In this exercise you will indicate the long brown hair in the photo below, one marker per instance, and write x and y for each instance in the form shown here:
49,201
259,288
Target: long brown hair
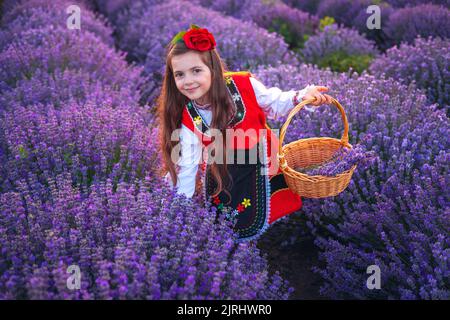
170,107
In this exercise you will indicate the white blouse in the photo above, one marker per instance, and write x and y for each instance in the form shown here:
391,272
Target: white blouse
273,101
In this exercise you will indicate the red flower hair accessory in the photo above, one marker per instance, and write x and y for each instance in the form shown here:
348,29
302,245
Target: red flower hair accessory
196,38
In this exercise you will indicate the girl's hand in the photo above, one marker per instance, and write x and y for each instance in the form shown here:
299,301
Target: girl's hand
315,93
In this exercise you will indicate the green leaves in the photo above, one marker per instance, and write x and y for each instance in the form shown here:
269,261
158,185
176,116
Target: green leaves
23,153
179,35
341,61
326,21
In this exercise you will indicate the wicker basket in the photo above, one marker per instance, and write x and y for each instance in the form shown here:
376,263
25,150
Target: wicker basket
312,151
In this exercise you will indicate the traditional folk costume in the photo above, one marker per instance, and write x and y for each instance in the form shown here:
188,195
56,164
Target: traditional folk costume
259,194
258,197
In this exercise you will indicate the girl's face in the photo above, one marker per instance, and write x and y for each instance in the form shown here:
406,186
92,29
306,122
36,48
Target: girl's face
190,72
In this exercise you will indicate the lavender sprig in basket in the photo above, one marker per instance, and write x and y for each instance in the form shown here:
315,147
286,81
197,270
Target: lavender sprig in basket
344,159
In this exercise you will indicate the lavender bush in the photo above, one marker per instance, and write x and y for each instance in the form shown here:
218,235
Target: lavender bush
294,25
304,5
79,187
18,5
92,141
410,3
426,63
112,8
405,234
393,214
343,11
275,16
51,49
140,241
339,48
37,14
60,86
425,20
398,204
146,30
353,14
226,7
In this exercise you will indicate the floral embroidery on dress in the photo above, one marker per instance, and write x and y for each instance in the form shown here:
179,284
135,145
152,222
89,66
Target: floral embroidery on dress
236,97
246,202
239,110
231,212
253,209
198,120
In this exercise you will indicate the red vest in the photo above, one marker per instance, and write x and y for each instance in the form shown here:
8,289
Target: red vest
249,115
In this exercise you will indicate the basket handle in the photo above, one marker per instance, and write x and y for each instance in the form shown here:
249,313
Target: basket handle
294,111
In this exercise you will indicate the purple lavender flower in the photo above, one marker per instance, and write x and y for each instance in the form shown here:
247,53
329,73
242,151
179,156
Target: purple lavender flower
294,25
141,241
304,5
343,11
16,6
353,14
79,186
410,3
339,48
78,182
37,14
393,214
52,49
426,20
112,8
92,141
145,31
343,159
62,86
426,63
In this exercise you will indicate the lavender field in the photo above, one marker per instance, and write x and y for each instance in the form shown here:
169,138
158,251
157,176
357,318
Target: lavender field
80,182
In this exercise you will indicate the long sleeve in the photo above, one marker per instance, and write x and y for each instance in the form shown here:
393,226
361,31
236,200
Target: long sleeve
191,151
274,101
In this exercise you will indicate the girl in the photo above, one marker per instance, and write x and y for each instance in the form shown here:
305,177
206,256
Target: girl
199,97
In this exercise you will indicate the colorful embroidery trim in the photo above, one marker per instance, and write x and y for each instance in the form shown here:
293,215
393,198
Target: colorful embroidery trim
201,125
253,213
229,211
